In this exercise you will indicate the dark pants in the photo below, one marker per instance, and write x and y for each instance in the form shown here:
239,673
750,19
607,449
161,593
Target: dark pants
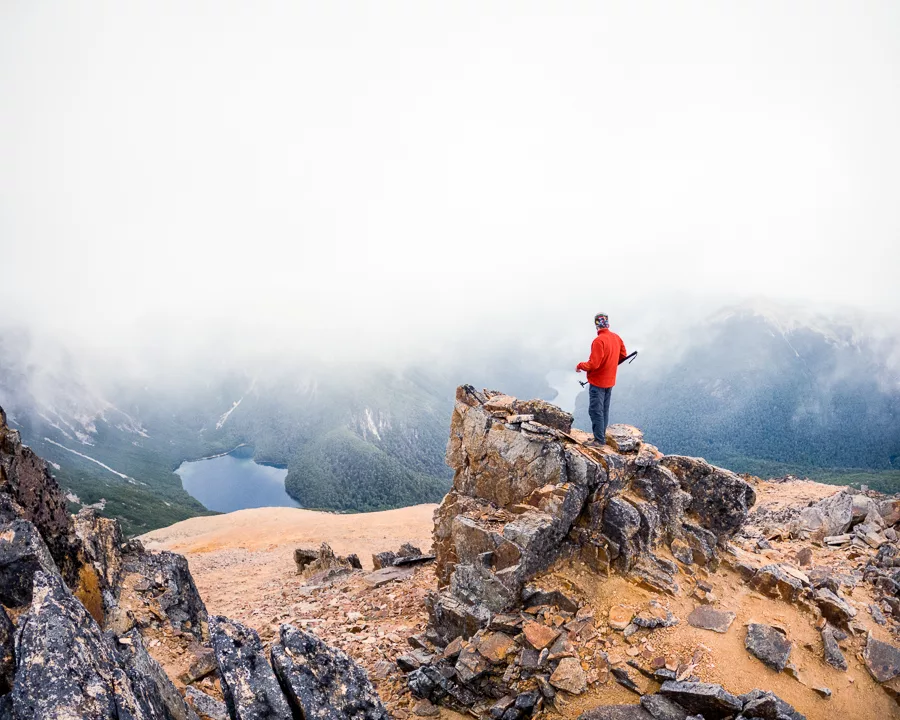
598,409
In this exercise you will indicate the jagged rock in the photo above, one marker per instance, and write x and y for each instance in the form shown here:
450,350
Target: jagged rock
616,712
769,645
624,438
834,608
767,706
249,685
7,652
882,659
656,616
619,617
832,515
495,646
383,559
155,691
430,683
711,701
661,708
707,618
833,654
471,665
204,664
776,582
323,682
532,595
101,541
721,499
22,555
167,582
26,480
324,567
621,676
539,636
65,668
303,557
569,676
206,707
890,511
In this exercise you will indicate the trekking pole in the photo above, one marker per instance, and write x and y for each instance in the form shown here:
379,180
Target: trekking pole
629,358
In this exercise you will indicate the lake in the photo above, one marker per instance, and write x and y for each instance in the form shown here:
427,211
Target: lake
229,483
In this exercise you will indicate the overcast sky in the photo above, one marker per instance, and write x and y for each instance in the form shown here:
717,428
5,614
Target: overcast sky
381,167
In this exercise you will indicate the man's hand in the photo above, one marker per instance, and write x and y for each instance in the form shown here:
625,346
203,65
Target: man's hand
578,368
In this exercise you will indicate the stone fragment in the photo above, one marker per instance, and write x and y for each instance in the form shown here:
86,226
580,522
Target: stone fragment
711,701
620,617
882,659
203,664
387,575
656,616
707,618
833,654
249,685
822,692
383,559
624,438
834,608
495,647
622,677
774,581
471,665
765,705
804,557
539,636
569,676
206,707
321,681
661,708
425,708
304,557
769,645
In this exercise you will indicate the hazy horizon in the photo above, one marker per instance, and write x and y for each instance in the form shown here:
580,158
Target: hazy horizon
380,179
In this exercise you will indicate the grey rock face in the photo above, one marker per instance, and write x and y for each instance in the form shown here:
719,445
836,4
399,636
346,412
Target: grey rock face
768,706
719,497
26,480
154,690
206,707
22,554
65,666
170,583
322,682
769,645
661,708
711,701
7,652
708,618
882,660
250,687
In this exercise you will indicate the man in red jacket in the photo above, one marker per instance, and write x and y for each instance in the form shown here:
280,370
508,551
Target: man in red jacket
607,351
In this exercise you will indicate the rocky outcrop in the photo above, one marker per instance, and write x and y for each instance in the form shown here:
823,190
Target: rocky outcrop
526,492
322,682
65,667
7,654
26,481
250,687
322,565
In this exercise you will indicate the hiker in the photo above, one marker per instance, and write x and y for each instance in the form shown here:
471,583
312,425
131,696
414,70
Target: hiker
607,352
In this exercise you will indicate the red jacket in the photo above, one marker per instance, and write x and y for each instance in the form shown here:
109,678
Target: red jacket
607,351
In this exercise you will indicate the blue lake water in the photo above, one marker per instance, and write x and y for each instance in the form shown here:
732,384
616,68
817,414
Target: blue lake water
229,483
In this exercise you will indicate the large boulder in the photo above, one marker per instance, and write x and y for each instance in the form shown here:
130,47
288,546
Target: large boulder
322,682
831,516
65,667
250,687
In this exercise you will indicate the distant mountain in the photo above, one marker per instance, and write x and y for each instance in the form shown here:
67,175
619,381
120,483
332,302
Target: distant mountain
760,388
359,438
